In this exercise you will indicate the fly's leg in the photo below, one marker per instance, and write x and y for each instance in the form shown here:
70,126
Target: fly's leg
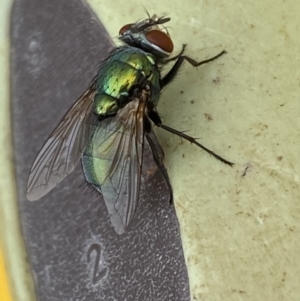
158,156
174,70
177,56
153,115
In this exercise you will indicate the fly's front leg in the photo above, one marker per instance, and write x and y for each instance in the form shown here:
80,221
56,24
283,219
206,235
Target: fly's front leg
174,70
177,56
153,115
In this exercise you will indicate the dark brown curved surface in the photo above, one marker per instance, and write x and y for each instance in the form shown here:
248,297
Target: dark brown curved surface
73,250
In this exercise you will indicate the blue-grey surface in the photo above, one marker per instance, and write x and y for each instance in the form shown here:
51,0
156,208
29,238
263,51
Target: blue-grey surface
74,252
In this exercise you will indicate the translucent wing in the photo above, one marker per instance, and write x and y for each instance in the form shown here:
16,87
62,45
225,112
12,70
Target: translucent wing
117,151
63,149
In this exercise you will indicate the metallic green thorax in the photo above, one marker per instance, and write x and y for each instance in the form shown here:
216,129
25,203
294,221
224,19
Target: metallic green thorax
124,68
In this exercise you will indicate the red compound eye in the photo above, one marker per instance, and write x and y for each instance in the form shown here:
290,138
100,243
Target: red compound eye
160,39
125,28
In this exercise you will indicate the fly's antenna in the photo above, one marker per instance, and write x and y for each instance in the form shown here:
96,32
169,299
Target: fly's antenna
147,12
163,19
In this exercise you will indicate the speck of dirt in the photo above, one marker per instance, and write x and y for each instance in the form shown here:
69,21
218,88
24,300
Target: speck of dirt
208,116
216,80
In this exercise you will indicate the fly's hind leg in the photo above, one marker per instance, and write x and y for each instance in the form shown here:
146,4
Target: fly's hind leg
158,156
180,59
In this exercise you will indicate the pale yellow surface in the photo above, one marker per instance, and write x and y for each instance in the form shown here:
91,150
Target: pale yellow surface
241,235
16,282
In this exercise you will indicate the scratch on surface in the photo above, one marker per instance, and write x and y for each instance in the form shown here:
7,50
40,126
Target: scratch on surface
220,33
259,220
288,173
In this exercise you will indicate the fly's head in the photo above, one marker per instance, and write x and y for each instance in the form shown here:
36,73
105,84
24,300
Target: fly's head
147,35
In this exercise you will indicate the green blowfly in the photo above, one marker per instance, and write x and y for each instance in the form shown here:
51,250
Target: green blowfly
122,100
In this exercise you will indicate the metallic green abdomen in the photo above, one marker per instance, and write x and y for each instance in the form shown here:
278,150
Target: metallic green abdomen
126,67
